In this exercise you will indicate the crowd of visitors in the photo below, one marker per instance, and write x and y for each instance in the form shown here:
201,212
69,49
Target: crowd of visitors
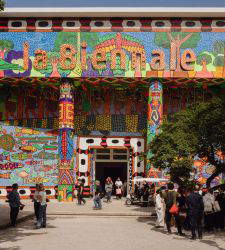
194,209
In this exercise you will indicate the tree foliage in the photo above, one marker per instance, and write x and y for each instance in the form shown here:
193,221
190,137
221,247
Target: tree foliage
162,39
6,45
2,5
204,56
197,131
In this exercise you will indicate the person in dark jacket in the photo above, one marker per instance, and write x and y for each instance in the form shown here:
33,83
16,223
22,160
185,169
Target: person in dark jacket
15,204
36,202
80,192
97,197
195,209
145,191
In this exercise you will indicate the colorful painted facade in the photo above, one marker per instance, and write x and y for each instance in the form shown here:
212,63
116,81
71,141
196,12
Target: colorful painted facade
67,92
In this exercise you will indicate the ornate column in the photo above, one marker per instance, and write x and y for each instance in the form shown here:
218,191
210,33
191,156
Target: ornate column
154,118
66,174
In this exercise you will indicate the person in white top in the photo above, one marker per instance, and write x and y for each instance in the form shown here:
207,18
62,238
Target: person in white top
159,208
119,186
209,201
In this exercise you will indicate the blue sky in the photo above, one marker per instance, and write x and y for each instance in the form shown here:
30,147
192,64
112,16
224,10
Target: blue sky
115,3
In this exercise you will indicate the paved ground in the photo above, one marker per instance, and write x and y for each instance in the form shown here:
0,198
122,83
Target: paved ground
4,213
100,233
71,208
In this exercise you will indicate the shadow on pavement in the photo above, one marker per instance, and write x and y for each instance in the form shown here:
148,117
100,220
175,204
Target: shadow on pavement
24,229
211,242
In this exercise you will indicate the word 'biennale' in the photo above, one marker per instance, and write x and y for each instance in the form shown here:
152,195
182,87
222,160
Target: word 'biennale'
69,58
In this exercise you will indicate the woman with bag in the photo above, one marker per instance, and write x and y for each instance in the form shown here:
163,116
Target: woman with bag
170,198
119,186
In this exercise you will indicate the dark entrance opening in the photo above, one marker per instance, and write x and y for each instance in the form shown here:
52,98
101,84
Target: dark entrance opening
110,169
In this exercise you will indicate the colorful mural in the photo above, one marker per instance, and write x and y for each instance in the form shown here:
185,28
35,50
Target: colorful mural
203,170
28,156
111,54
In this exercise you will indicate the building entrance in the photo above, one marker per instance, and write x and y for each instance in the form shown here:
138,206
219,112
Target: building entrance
113,170
111,163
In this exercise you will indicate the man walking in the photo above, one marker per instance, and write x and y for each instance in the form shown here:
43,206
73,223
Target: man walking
15,204
80,192
195,209
36,203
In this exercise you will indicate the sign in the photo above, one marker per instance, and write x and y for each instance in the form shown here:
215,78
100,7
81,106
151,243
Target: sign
110,54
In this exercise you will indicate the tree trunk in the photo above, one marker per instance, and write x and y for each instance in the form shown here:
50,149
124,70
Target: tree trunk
55,72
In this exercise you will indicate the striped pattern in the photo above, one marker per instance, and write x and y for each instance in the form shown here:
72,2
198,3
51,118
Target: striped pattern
112,25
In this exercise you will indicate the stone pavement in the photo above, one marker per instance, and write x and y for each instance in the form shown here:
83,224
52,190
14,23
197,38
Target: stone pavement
116,208
27,213
100,233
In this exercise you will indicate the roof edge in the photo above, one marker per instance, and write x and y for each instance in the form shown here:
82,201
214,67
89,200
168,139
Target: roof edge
115,12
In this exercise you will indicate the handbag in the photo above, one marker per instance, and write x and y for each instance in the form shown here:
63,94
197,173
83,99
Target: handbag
118,191
174,209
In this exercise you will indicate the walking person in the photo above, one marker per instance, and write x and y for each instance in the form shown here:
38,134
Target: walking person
159,207
80,192
220,198
108,189
97,197
195,210
209,201
36,203
170,199
42,208
15,204
119,186
145,192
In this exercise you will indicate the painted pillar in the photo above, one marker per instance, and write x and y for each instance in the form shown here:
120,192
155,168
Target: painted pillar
66,125
154,119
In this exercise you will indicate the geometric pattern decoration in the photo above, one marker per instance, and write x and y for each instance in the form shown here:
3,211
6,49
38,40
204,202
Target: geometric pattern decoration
155,114
108,24
66,125
66,177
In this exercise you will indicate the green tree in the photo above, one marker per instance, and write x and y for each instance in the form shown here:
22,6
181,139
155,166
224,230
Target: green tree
218,51
91,38
2,5
204,56
65,38
197,131
5,46
218,47
175,41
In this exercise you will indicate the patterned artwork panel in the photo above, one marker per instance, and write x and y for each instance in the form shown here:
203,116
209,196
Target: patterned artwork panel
28,156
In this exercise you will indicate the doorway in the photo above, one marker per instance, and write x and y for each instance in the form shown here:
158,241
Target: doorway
111,162
110,169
